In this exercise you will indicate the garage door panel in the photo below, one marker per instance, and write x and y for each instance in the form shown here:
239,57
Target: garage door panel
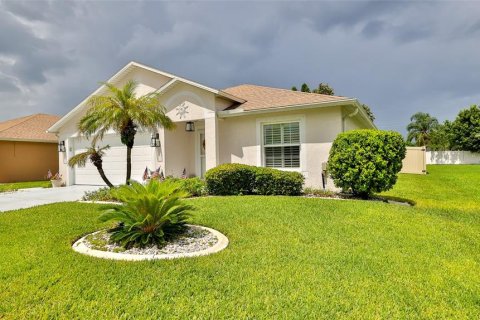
114,161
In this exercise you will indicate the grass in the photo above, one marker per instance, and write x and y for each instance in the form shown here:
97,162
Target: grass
446,189
289,257
5,187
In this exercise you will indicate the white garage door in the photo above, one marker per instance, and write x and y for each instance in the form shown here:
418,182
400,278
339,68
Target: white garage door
115,160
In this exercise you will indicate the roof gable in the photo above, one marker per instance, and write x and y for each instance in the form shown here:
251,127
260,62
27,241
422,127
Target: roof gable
124,72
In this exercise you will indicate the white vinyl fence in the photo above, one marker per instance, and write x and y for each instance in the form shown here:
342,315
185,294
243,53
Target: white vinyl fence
452,157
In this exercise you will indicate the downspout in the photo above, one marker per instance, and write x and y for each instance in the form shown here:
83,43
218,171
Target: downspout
354,113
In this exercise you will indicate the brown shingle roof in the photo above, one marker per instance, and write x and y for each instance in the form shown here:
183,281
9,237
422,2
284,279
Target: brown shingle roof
259,97
29,128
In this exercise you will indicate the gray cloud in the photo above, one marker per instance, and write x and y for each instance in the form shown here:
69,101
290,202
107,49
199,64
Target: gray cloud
8,85
398,57
373,28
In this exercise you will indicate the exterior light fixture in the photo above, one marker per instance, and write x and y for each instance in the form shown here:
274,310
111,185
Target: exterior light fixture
155,140
61,146
189,126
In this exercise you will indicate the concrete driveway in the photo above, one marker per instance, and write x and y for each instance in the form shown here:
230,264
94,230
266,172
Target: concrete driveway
27,198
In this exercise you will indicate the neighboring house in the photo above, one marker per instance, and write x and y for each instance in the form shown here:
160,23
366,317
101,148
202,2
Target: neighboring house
247,124
27,151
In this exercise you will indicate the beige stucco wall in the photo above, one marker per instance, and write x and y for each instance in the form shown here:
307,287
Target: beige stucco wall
180,152
201,104
240,138
353,123
27,161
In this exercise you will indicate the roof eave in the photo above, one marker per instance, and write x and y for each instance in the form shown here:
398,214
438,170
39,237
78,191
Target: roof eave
190,82
364,114
28,140
240,112
56,127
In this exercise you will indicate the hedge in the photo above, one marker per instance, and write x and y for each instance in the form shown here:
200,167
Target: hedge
238,179
270,181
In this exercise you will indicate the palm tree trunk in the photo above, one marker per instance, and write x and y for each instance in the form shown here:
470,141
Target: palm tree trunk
104,177
128,138
129,164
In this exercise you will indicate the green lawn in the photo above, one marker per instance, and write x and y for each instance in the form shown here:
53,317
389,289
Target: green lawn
4,187
288,258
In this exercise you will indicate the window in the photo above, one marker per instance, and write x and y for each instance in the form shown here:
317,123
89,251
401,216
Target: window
281,143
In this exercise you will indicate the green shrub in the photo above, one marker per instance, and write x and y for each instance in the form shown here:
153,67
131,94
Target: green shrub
149,215
270,181
230,179
366,161
236,179
196,187
102,194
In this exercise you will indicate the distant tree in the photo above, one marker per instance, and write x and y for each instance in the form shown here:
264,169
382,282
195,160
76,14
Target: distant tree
324,88
305,88
441,137
466,130
420,128
368,111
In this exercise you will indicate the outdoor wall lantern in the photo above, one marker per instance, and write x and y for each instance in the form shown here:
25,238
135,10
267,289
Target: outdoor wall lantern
155,141
189,126
61,146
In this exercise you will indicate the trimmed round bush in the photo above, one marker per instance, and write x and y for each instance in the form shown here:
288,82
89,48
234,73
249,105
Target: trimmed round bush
366,161
236,179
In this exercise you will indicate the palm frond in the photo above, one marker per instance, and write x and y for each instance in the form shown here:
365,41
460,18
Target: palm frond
79,159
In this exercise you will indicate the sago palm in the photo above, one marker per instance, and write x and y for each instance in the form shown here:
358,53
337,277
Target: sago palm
420,128
94,154
149,215
122,111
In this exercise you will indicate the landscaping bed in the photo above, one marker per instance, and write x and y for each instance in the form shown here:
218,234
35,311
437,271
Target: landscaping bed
104,195
194,241
318,193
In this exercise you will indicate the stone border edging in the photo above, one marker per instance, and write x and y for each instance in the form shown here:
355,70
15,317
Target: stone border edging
80,247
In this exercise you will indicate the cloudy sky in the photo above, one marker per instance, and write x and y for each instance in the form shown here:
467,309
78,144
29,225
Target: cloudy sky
398,57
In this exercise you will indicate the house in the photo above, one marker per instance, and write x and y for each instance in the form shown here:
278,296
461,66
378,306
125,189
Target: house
27,150
247,124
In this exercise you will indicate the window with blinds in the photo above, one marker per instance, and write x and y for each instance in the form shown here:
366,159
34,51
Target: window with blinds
281,143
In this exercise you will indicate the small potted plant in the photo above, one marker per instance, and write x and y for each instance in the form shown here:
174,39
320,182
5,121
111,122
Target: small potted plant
56,180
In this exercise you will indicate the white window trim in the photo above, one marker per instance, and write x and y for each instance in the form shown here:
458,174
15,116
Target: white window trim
260,122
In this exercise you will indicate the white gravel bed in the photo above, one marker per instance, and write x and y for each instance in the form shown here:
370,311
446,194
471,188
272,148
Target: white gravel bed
196,241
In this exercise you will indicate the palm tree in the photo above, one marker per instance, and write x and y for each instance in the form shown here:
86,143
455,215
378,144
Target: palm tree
95,156
420,128
122,111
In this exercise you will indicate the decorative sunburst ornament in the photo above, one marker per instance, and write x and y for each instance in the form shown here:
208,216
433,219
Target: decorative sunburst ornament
182,110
